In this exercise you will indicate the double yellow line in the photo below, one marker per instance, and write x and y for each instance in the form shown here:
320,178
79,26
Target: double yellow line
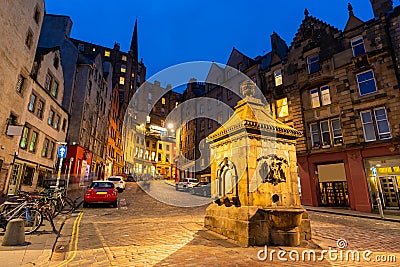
73,243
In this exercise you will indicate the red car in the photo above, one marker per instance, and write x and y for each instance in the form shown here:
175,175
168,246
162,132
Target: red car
101,192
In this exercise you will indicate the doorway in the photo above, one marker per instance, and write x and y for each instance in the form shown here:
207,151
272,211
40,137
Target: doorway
389,190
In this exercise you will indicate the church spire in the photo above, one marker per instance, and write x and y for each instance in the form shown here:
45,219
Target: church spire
134,43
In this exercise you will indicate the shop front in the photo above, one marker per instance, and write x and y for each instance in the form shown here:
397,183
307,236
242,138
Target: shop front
383,177
333,185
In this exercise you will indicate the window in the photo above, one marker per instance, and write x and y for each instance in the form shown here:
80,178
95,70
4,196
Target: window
375,124
54,89
56,122
20,83
36,15
29,39
315,139
336,132
313,64
24,138
210,123
326,133
107,53
123,68
121,80
31,106
320,97
167,147
47,82
278,77
81,47
56,62
39,110
32,143
163,101
148,119
51,149
51,117
282,109
159,146
163,111
357,45
45,147
326,136
64,124
366,82
123,57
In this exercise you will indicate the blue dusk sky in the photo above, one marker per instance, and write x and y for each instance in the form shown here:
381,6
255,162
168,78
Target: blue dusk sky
172,32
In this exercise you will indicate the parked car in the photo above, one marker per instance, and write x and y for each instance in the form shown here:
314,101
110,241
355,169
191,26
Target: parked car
202,189
101,192
118,182
185,184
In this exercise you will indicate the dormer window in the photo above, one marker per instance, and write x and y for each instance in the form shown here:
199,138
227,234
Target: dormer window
278,77
357,45
313,64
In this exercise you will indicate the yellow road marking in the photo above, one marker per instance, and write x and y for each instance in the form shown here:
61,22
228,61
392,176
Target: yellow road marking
74,237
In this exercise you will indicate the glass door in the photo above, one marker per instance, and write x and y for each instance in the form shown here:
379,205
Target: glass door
334,194
390,191
14,179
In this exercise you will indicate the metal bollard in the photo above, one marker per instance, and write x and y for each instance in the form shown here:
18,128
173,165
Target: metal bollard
15,233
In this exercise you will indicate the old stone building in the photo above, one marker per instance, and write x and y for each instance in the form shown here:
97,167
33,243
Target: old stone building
341,89
45,123
21,23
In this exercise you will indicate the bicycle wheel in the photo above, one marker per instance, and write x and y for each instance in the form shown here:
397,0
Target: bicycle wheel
33,218
68,205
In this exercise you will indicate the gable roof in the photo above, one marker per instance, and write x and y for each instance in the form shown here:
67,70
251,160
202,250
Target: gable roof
308,25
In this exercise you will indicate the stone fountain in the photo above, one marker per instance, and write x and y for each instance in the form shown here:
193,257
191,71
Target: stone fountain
254,178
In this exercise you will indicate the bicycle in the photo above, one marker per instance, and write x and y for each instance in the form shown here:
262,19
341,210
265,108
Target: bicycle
31,216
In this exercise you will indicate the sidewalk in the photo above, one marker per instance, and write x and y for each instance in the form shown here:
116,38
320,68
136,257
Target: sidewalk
393,215
37,247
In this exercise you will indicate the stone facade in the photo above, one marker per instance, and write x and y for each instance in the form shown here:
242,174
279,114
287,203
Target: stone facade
21,23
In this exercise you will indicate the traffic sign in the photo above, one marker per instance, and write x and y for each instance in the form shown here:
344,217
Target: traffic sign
62,151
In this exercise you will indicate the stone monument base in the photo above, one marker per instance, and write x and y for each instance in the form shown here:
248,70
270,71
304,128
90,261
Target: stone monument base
258,226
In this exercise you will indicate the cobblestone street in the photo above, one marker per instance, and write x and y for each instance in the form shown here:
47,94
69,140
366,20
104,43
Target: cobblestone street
145,232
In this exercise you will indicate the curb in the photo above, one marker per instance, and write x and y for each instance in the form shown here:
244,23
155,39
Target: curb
352,215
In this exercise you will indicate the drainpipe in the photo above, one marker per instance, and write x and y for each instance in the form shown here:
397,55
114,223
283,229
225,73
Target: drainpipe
386,21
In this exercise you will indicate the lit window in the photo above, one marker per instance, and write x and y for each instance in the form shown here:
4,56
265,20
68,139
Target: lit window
45,147
32,144
107,53
123,57
325,95
282,109
54,89
375,124
121,80
32,101
320,97
51,117
366,82
20,83
278,77
148,119
357,45
94,49
313,64
163,101
24,138
123,68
